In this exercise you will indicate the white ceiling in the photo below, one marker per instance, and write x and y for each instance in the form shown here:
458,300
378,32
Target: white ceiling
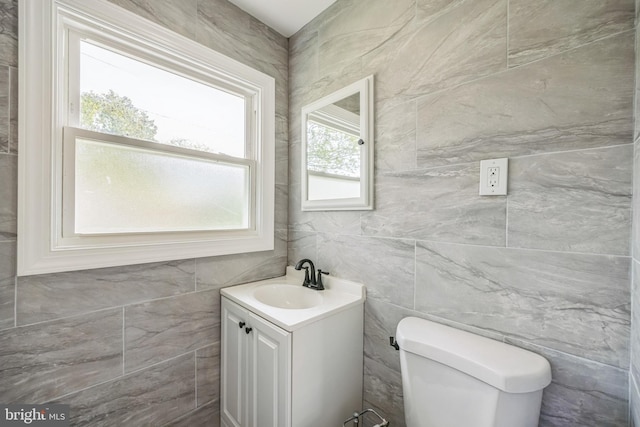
284,16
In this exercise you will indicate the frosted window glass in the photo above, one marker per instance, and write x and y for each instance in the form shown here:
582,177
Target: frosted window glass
123,96
123,189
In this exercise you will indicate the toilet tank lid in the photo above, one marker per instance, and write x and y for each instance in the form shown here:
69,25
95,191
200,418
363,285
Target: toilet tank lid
503,366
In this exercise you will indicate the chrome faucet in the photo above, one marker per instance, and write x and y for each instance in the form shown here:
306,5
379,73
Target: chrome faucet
310,280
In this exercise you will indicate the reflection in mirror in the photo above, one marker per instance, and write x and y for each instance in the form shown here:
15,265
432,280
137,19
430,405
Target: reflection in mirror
337,159
333,152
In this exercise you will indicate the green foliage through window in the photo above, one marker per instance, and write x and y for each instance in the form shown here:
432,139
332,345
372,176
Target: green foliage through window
332,151
116,115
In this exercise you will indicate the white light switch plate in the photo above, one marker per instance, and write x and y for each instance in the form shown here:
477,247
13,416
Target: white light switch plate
493,177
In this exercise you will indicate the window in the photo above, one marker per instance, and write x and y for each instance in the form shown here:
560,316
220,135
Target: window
137,145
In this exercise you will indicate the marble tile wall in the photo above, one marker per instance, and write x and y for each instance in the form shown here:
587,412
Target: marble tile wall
634,371
548,84
134,345
551,86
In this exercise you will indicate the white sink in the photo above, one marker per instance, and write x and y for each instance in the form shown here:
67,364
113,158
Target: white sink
288,304
283,295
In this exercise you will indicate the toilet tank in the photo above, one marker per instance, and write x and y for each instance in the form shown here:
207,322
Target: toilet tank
453,378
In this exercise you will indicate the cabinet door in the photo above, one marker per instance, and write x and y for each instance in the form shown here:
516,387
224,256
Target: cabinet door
270,374
234,365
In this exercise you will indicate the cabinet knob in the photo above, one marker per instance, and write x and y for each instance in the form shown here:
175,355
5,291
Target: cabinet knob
241,325
248,330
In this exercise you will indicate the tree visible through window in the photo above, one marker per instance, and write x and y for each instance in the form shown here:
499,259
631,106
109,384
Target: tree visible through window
113,182
145,147
132,98
122,189
332,151
115,114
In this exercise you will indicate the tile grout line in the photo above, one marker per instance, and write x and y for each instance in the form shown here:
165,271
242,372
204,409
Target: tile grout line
195,274
634,225
634,207
8,119
508,31
513,248
418,97
84,313
506,218
15,301
519,156
118,378
603,147
632,386
415,274
195,375
10,143
123,340
631,328
13,136
42,322
504,336
417,240
415,135
570,355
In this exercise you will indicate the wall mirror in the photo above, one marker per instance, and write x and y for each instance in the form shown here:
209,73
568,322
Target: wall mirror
337,150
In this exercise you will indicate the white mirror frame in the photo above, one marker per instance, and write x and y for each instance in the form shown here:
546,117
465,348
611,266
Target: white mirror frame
365,202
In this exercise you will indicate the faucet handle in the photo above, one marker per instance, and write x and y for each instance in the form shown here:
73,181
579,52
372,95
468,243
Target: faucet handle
319,285
307,280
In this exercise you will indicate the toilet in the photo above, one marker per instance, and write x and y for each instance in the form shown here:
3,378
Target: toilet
452,378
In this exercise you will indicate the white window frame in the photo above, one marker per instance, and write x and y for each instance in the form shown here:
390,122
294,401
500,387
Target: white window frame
45,111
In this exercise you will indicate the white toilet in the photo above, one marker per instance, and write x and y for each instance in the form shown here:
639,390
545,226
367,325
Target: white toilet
453,378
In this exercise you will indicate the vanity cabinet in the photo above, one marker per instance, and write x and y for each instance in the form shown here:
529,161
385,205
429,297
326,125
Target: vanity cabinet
256,366
270,377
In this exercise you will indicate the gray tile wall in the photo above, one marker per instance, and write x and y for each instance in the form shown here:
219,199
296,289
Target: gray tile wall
134,345
634,374
549,84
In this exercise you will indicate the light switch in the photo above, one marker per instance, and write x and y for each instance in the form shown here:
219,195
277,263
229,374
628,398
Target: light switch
493,177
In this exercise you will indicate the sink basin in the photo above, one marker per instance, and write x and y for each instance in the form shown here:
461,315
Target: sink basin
290,296
286,303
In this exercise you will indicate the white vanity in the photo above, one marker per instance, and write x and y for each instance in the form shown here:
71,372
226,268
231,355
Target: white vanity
291,356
